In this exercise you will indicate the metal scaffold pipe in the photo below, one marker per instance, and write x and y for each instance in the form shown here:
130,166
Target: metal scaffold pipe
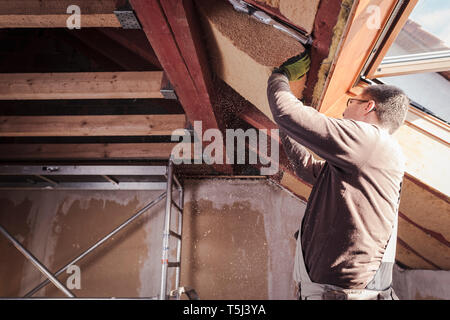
166,232
36,263
100,242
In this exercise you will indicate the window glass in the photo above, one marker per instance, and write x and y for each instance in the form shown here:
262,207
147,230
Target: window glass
430,90
427,29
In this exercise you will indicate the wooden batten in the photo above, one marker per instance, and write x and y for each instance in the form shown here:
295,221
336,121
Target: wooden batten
86,151
53,13
80,85
114,125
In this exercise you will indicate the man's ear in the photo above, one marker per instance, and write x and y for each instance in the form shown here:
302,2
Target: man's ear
370,106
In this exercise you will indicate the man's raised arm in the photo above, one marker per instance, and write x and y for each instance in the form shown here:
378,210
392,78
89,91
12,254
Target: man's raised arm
334,140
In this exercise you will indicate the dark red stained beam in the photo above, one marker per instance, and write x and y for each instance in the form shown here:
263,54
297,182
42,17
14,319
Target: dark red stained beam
173,34
326,18
102,62
113,50
135,41
184,23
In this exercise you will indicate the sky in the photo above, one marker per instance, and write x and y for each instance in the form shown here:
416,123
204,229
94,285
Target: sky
434,16
429,89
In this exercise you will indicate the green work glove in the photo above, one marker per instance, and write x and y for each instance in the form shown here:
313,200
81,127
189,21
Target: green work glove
296,67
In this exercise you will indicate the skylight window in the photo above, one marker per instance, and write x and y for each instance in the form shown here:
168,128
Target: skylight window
418,61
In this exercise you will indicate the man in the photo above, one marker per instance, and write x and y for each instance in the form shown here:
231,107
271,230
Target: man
346,245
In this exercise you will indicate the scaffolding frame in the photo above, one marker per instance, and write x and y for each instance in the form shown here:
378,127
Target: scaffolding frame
46,178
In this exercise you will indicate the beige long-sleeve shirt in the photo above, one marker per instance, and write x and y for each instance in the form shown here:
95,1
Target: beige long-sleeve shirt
350,212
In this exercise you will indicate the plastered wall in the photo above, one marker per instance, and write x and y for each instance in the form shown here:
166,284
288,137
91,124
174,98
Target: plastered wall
238,240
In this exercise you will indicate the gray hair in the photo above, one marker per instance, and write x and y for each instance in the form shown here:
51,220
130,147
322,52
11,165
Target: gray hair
391,105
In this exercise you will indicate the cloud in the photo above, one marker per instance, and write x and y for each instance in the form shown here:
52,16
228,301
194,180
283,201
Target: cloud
436,23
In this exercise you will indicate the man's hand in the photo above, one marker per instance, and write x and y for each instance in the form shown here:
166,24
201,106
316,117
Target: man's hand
296,67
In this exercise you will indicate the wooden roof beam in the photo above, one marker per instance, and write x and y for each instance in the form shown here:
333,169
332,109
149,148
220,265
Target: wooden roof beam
135,41
85,151
111,49
98,125
53,13
80,85
172,30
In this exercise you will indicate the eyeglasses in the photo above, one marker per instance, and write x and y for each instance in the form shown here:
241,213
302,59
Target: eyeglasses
353,99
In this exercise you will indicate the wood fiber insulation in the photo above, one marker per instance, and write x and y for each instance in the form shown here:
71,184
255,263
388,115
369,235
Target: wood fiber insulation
243,52
326,66
301,12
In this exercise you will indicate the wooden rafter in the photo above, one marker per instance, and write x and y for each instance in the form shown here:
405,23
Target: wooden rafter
135,41
53,13
81,85
85,151
114,51
173,33
108,125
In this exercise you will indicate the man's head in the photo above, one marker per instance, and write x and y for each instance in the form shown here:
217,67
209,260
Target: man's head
381,104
